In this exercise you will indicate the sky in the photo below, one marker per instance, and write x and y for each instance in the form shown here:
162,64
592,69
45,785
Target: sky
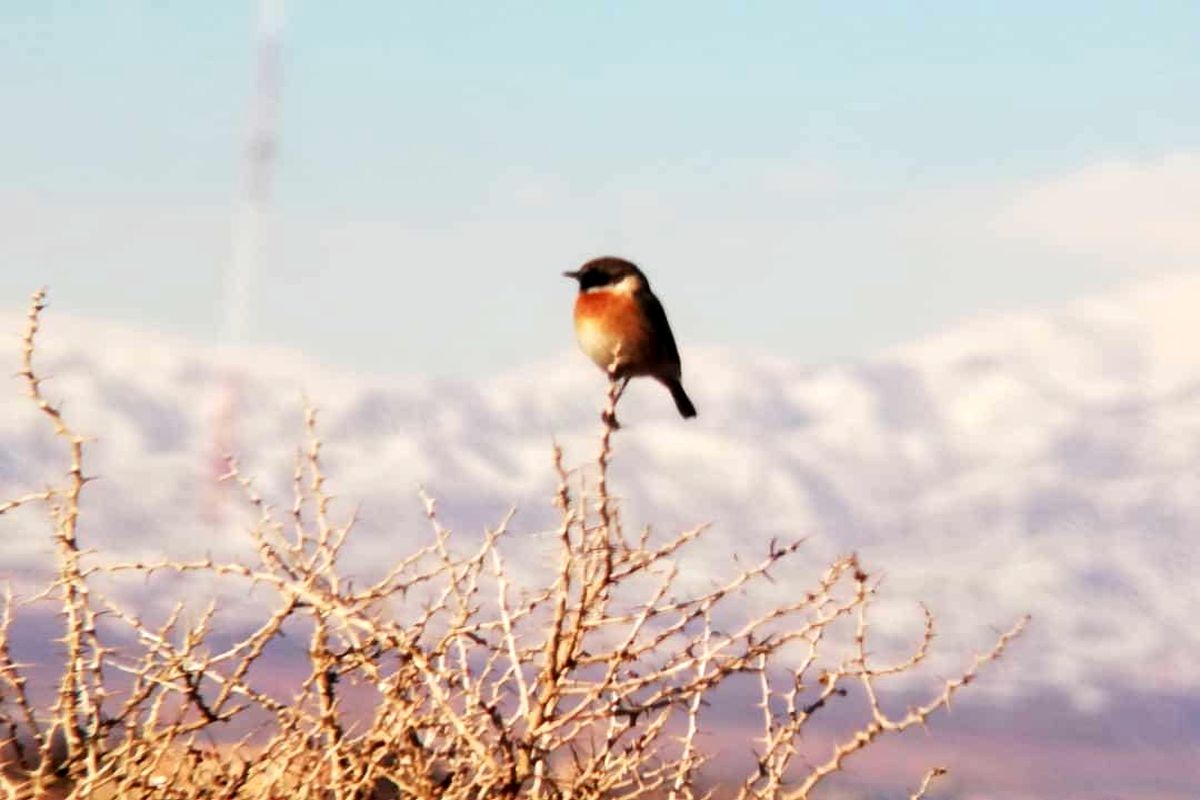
815,180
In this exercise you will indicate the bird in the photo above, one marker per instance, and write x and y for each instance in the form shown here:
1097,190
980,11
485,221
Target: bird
618,319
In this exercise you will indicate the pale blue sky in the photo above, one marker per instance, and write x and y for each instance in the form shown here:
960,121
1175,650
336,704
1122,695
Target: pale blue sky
815,180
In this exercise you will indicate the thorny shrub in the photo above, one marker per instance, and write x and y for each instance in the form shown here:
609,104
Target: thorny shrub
593,682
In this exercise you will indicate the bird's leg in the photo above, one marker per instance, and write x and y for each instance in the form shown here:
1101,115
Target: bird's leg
624,382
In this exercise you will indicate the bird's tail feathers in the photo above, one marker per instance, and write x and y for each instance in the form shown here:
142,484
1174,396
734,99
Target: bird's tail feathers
682,401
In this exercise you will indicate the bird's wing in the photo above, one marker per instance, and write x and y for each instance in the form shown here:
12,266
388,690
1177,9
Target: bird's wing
664,340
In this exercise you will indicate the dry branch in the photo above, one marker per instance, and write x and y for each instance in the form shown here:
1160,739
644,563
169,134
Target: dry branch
596,682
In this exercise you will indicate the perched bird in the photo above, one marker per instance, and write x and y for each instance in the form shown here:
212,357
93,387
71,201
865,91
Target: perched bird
616,315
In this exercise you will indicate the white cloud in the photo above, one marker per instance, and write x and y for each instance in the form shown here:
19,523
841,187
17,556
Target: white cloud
1145,213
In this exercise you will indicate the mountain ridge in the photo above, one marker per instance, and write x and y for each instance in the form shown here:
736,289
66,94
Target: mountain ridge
1041,461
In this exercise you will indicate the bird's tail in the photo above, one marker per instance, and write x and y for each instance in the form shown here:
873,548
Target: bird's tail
682,401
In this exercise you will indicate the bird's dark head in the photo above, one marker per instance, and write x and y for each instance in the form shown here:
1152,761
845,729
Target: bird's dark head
609,273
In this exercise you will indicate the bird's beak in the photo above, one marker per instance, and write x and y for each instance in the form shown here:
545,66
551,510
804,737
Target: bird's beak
571,274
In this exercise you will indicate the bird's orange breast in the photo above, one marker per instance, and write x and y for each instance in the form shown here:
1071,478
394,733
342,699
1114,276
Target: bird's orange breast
606,319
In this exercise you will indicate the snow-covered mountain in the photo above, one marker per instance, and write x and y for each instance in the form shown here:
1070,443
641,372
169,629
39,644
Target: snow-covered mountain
1045,462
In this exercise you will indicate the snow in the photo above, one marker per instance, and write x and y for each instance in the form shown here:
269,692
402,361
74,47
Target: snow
1043,462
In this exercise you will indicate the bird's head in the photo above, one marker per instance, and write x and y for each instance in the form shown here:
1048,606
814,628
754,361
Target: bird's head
609,273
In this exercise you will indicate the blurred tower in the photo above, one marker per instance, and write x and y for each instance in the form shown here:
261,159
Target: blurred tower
248,251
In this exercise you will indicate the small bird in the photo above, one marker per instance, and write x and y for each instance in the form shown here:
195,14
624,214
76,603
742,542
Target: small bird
617,316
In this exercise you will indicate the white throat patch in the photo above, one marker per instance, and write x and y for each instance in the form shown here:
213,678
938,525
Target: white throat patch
627,285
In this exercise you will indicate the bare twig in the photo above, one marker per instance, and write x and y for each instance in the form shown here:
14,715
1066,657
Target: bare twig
590,682
930,776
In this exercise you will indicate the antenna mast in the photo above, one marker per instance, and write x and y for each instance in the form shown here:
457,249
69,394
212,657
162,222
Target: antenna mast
249,222
258,166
